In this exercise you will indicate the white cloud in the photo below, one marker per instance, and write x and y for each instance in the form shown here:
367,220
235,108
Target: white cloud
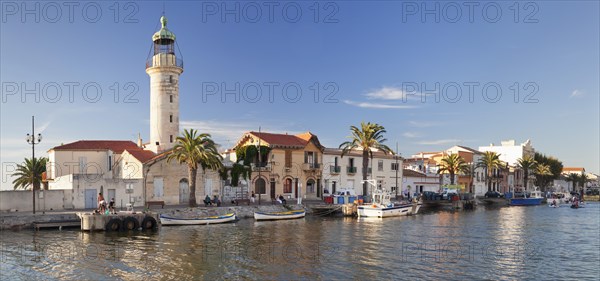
411,135
576,93
439,142
387,93
423,124
378,105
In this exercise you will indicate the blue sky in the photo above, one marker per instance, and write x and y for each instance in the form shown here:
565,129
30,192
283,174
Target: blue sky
369,55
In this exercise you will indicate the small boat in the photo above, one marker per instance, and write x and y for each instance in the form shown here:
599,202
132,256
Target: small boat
553,202
382,207
534,199
166,220
287,215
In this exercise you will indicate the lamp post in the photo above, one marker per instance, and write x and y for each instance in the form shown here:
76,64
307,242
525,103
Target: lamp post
31,139
258,166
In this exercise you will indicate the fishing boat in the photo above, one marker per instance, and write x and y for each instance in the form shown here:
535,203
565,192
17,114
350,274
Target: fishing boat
287,215
534,199
166,220
382,207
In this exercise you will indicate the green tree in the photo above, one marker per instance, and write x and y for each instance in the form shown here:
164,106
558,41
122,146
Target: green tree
541,171
574,178
555,169
367,138
527,164
453,164
195,150
582,180
30,171
490,161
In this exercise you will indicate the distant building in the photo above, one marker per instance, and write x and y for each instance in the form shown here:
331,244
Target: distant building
509,151
346,172
419,182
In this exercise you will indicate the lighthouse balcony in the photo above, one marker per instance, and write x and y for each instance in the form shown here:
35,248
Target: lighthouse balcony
164,60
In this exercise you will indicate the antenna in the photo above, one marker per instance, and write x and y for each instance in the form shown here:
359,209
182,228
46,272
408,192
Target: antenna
163,12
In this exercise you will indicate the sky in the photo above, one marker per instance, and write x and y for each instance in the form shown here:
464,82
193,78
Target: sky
434,74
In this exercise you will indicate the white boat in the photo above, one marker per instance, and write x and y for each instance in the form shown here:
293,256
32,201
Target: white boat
287,215
382,207
166,220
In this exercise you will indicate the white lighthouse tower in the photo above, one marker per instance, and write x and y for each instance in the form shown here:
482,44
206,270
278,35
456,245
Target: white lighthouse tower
164,69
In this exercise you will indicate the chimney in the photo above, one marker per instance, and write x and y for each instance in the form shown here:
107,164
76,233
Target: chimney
139,141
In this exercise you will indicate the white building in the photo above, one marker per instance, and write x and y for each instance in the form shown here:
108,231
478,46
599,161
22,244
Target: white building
346,172
509,151
419,182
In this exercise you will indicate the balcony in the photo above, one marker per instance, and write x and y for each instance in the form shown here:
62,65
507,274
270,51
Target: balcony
351,170
263,166
334,169
311,166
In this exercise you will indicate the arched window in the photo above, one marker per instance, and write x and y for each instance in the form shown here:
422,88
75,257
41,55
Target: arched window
260,186
287,186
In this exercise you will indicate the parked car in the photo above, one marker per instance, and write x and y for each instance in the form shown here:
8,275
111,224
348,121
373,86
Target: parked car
493,194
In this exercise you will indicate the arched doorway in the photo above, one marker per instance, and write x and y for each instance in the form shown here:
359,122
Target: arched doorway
260,186
184,191
310,186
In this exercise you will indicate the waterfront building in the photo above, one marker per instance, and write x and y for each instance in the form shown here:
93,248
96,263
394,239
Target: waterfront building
292,167
509,151
474,181
417,181
346,172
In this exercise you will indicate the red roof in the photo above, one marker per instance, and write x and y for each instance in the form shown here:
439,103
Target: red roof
573,169
116,146
281,139
142,155
411,173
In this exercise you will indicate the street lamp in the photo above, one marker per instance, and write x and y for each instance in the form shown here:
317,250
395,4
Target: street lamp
33,140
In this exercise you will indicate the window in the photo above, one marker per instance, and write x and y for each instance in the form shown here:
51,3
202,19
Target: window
171,98
110,162
171,79
260,186
171,118
287,186
351,162
288,158
335,161
171,138
394,166
380,165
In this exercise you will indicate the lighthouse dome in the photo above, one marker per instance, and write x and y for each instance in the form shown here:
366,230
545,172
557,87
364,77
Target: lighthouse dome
163,33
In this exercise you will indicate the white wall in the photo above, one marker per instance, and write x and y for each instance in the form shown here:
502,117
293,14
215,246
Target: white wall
21,200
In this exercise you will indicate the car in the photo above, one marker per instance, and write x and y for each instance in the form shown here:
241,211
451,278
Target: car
493,194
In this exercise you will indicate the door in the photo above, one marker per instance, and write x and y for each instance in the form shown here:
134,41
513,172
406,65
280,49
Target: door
91,199
350,185
158,187
272,188
184,191
296,189
111,194
208,187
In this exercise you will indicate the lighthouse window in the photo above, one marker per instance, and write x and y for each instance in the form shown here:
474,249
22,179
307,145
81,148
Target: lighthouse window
171,79
171,98
171,118
171,138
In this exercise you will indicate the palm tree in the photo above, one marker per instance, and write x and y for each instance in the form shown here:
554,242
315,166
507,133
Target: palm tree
30,172
368,138
453,164
542,170
490,161
195,149
583,179
572,177
527,164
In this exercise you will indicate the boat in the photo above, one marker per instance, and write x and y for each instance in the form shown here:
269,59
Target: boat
166,220
287,215
382,207
534,199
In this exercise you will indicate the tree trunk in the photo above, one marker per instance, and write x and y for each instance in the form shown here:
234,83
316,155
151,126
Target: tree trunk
525,176
489,180
192,178
451,178
365,166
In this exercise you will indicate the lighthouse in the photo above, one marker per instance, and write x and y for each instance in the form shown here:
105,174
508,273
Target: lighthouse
164,67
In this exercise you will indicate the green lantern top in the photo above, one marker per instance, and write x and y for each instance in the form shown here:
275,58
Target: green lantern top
163,33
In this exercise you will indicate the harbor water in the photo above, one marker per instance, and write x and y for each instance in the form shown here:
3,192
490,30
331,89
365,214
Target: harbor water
489,243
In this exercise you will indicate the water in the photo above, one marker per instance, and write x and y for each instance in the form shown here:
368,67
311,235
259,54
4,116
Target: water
509,243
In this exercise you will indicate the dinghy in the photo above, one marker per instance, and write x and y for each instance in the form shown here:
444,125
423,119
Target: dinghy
166,220
279,215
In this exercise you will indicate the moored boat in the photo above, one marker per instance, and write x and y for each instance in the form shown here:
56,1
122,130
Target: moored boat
287,215
166,220
382,207
534,199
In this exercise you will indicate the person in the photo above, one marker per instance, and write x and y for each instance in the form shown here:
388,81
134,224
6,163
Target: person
283,201
216,201
101,203
207,200
111,205
252,197
279,199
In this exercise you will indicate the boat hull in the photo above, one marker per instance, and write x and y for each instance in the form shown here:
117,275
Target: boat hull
525,201
166,220
384,212
279,215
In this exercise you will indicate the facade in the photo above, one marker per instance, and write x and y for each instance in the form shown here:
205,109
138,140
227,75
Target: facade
472,182
346,172
414,181
164,69
509,151
85,168
292,168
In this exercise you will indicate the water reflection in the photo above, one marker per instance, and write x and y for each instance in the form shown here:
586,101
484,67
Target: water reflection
488,243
